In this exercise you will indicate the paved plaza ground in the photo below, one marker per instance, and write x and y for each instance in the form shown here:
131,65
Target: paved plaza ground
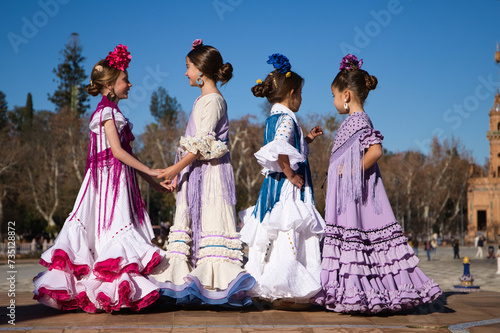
477,312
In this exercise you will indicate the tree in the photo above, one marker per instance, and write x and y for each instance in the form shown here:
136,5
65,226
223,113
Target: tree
22,117
164,107
70,75
3,111
245,138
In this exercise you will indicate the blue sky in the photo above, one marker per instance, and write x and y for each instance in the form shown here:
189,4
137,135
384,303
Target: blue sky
434,59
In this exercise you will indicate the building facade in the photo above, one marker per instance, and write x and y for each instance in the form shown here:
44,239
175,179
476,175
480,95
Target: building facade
483,192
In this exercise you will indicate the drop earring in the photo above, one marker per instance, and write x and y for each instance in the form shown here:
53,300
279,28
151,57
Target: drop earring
346,106
199,79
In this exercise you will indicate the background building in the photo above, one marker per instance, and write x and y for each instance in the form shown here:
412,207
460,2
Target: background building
483,195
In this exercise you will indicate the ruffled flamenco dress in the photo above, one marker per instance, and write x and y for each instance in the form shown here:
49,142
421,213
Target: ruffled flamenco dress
367,266
104,250
204,254
283,230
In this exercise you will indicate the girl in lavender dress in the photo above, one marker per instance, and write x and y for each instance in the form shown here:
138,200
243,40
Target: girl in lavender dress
204,252
102,253
367,264
283,230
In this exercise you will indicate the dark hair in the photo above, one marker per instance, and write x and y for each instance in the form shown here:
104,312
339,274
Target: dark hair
356,80
102,75
277,86
209,61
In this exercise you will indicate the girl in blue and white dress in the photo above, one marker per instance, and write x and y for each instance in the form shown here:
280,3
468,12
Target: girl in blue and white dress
283,230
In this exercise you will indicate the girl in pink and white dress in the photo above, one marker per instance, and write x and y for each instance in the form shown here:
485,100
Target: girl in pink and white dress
102,253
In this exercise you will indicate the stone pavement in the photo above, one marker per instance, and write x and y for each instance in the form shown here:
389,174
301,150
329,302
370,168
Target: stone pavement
477,312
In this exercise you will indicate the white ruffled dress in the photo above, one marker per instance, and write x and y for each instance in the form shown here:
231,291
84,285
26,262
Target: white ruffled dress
204,253
101,256
284,246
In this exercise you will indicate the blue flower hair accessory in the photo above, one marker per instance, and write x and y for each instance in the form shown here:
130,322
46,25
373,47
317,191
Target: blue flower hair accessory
280,63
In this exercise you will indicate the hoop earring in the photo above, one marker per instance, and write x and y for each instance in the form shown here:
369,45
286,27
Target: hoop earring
199,80
111,96
346,106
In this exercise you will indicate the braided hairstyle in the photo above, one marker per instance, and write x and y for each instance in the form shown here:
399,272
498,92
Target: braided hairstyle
356,80
209,61
276,87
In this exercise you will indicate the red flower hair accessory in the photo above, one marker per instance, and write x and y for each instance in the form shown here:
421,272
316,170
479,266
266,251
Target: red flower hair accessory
119,58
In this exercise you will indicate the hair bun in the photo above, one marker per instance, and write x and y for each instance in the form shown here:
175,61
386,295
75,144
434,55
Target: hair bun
261,90
92,89
371,81
225,73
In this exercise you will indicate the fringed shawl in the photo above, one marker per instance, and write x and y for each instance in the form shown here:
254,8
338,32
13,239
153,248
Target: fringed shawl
347,180
100,158
192,178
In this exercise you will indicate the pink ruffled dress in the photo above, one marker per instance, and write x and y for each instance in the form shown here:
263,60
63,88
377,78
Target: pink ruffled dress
367,264
104,250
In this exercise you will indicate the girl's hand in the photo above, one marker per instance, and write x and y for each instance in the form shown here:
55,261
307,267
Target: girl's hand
154,172
297,180
169,173
170,185
315,132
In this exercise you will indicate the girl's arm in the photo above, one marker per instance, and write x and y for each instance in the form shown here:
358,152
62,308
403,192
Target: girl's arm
156,186
120,154
295,179
372,154
315,132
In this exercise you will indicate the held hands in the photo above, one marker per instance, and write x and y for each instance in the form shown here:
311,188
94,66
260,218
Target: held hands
168,173
297,180
315,132
170,176
169,185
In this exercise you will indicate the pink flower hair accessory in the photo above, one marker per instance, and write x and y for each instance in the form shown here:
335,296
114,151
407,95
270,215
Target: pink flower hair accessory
197,42
350,62
119,58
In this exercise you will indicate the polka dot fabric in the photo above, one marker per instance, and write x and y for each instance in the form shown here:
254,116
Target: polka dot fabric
354,123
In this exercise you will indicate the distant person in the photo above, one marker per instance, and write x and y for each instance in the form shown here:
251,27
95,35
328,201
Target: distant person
434,245
365,254
456,248
480,246
415,245
428,249
103,252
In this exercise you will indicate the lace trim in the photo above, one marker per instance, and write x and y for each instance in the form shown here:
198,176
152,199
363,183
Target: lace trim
206,145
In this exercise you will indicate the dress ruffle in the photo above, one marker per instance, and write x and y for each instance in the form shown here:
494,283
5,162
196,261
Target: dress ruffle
267,156
370,137
370,271
204,144
217,279
112,281
284,255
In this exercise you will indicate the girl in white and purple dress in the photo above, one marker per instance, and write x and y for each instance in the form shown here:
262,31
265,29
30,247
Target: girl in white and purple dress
103,252
204,254
367,263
